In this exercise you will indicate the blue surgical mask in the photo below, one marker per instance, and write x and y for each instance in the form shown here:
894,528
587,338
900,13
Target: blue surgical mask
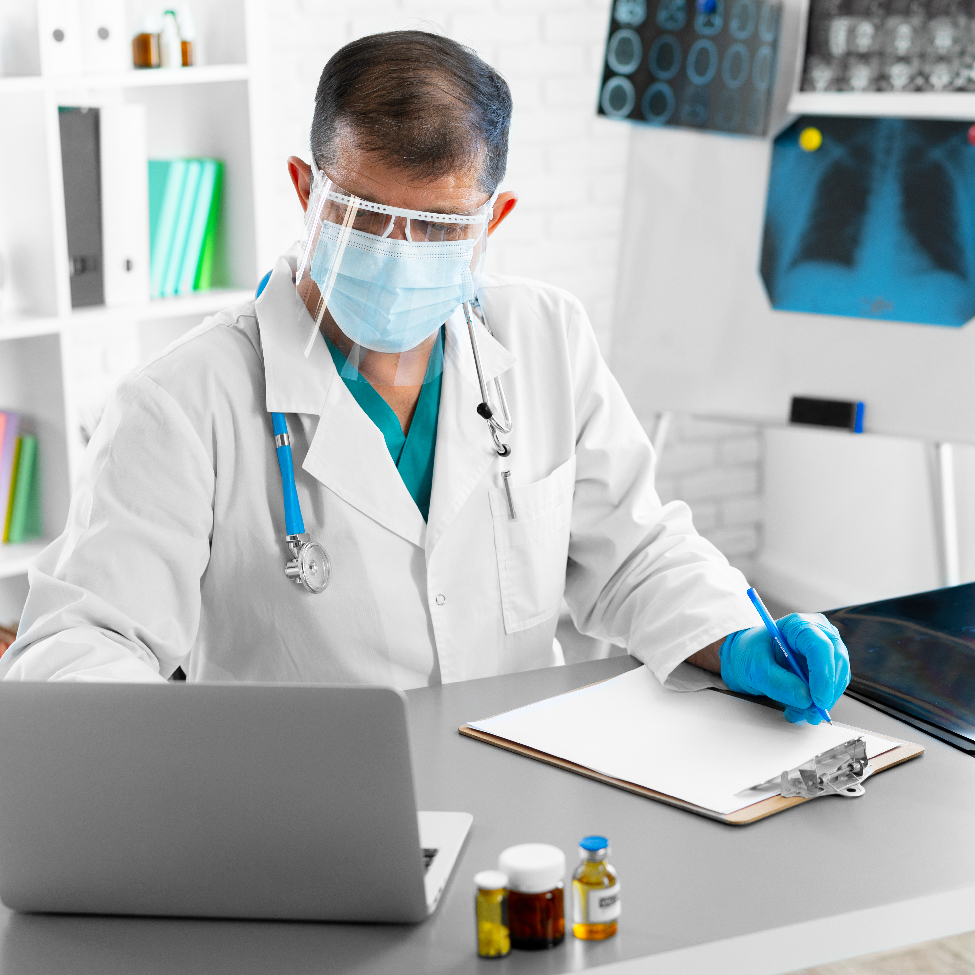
389,295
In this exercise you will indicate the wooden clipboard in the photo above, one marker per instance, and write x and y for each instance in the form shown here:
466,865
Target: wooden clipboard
741,817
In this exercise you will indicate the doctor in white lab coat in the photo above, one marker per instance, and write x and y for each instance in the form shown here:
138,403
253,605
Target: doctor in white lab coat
174,550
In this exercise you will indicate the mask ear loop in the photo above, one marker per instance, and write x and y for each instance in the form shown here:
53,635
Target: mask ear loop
336,263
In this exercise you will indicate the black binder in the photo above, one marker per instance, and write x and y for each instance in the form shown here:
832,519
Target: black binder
82,203
914,657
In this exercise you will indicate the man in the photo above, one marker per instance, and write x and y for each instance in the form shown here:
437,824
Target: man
460,449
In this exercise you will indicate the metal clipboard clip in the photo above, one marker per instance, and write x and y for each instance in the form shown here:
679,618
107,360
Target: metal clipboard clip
841,771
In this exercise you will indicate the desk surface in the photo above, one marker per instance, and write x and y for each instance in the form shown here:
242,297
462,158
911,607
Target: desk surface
697,895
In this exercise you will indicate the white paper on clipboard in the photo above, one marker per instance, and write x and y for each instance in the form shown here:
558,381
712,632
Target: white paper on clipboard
703,747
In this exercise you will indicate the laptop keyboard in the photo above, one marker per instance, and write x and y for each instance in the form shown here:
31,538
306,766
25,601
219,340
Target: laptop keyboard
428,856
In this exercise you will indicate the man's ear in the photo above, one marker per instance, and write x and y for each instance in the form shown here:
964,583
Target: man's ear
503,205
300,173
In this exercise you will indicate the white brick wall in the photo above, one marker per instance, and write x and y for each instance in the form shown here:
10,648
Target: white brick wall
568,166
716,469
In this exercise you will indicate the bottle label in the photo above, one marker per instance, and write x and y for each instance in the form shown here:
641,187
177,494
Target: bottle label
601,905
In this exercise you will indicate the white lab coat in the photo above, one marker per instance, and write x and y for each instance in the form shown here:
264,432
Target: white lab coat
174,549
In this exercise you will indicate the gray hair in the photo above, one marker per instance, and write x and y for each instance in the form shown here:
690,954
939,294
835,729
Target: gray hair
427,104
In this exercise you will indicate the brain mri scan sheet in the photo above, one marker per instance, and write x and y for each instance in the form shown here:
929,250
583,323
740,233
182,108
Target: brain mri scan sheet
890,45
672,62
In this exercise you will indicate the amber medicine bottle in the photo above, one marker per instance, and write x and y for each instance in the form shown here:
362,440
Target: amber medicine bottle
491,911
595,892
536,906
145,50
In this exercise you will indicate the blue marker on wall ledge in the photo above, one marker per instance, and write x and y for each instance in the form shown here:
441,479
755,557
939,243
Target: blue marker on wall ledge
779,640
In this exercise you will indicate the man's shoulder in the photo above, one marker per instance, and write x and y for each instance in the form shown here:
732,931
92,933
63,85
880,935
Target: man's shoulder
225,346
532,315
538,294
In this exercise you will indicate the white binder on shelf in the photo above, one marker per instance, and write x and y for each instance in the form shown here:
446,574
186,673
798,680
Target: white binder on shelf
104,36
59,36
125,203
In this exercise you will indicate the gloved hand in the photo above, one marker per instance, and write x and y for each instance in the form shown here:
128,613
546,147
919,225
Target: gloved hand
752,664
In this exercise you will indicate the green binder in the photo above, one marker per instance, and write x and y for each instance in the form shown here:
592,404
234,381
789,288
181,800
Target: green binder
166,180
24,490
198,226
181,229
204,273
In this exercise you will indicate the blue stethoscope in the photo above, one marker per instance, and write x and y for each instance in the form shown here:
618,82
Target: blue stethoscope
309,565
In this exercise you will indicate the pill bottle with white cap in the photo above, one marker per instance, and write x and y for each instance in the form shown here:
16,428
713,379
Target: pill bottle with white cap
491,912
536,907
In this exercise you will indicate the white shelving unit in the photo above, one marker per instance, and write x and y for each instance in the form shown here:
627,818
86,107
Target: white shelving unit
57,363
15,559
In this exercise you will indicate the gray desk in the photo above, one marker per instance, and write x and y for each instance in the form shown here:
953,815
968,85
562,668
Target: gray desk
698,896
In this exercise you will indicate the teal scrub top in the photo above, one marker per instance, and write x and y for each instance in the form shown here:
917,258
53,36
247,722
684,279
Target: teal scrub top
413,453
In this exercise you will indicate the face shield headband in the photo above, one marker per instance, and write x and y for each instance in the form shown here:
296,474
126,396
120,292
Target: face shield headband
379,281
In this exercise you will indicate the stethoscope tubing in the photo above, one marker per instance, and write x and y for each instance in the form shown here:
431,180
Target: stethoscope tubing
294,524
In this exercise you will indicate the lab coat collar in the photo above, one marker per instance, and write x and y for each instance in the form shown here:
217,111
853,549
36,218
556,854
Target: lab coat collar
347,454
294,384
495,358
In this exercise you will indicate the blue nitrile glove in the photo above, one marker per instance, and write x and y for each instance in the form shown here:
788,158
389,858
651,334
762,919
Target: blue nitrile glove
752,664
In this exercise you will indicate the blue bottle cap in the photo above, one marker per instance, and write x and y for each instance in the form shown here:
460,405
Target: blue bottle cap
594,843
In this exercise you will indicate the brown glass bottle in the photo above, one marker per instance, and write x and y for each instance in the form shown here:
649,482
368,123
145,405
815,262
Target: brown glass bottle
536,905
145,50
536,921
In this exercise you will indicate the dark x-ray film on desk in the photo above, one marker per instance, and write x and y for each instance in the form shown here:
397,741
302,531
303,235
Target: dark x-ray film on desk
914,657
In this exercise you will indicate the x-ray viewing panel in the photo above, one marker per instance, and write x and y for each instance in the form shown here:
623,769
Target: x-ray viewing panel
872,218
916,655
694,327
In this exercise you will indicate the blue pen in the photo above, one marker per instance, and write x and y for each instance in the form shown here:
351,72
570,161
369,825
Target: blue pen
776,634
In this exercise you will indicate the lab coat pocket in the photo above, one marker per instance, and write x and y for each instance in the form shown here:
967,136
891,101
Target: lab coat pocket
533,546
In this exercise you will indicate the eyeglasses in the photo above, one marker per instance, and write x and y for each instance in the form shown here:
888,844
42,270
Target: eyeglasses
378,219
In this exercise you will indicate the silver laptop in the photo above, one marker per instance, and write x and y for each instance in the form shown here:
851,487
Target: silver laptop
216,800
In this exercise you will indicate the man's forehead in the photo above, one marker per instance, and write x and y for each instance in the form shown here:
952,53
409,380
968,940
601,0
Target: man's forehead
379,180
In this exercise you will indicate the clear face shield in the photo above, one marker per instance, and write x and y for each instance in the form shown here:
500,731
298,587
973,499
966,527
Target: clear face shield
379,281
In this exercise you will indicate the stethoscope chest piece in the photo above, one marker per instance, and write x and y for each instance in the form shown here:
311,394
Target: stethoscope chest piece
310,566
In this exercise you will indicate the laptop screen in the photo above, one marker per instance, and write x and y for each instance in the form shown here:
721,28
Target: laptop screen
916,654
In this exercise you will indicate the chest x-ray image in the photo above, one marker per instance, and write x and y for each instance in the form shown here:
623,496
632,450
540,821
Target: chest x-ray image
876,221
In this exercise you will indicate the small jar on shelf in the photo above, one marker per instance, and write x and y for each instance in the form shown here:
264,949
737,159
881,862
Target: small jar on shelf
145,45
